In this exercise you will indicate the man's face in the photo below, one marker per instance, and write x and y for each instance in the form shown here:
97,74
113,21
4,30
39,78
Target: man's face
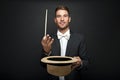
62,19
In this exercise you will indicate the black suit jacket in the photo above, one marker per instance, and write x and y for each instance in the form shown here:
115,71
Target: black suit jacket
76,47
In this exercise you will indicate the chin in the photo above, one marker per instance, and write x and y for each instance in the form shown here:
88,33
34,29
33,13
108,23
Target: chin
62,28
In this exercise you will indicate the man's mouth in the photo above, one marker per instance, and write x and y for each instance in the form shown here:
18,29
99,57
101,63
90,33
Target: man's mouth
62,23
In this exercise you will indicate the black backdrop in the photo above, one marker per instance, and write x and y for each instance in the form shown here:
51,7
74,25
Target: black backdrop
22,26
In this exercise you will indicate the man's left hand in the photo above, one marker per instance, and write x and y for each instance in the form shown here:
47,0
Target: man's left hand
77,63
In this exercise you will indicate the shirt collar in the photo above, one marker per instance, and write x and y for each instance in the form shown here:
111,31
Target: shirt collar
66,34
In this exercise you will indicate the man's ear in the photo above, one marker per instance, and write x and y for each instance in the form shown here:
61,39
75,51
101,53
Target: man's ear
69,19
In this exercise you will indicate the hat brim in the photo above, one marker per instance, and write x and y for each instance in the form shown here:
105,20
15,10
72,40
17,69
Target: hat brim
58,60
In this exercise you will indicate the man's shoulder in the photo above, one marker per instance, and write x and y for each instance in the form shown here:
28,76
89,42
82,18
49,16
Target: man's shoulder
78,35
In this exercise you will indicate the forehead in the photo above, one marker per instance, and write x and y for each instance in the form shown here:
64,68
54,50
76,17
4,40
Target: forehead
61,12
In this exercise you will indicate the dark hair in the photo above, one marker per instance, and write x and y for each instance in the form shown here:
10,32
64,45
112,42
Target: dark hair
62,7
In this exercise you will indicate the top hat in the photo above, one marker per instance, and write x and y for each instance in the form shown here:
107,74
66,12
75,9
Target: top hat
58,65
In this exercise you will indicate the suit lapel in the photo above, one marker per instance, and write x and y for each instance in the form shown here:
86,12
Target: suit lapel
56,46
69,45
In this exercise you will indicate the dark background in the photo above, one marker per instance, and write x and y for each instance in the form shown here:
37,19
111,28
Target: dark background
22,26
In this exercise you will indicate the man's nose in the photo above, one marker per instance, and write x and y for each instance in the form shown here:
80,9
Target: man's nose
62,18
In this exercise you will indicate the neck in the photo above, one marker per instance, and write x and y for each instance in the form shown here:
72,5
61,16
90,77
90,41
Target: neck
63,30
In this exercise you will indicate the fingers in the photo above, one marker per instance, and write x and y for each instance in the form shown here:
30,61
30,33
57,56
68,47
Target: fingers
78,62
51,41
77,57
47,40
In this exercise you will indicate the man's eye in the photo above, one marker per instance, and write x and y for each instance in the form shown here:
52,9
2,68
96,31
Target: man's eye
65,15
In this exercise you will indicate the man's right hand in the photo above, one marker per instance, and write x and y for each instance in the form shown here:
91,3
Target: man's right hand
46,43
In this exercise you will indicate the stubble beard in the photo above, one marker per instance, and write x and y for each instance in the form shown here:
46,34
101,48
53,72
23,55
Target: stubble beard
63,29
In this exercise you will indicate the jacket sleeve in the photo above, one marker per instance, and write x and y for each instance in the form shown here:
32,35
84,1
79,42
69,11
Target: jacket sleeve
83,53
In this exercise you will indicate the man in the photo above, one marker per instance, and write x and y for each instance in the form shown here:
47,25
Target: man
65,43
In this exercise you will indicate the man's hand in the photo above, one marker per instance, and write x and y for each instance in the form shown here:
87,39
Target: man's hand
77,63
46,43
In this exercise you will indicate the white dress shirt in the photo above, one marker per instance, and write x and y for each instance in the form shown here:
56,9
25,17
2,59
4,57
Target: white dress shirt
63,44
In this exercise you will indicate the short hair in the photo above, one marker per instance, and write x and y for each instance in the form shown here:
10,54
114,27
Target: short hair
62,7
